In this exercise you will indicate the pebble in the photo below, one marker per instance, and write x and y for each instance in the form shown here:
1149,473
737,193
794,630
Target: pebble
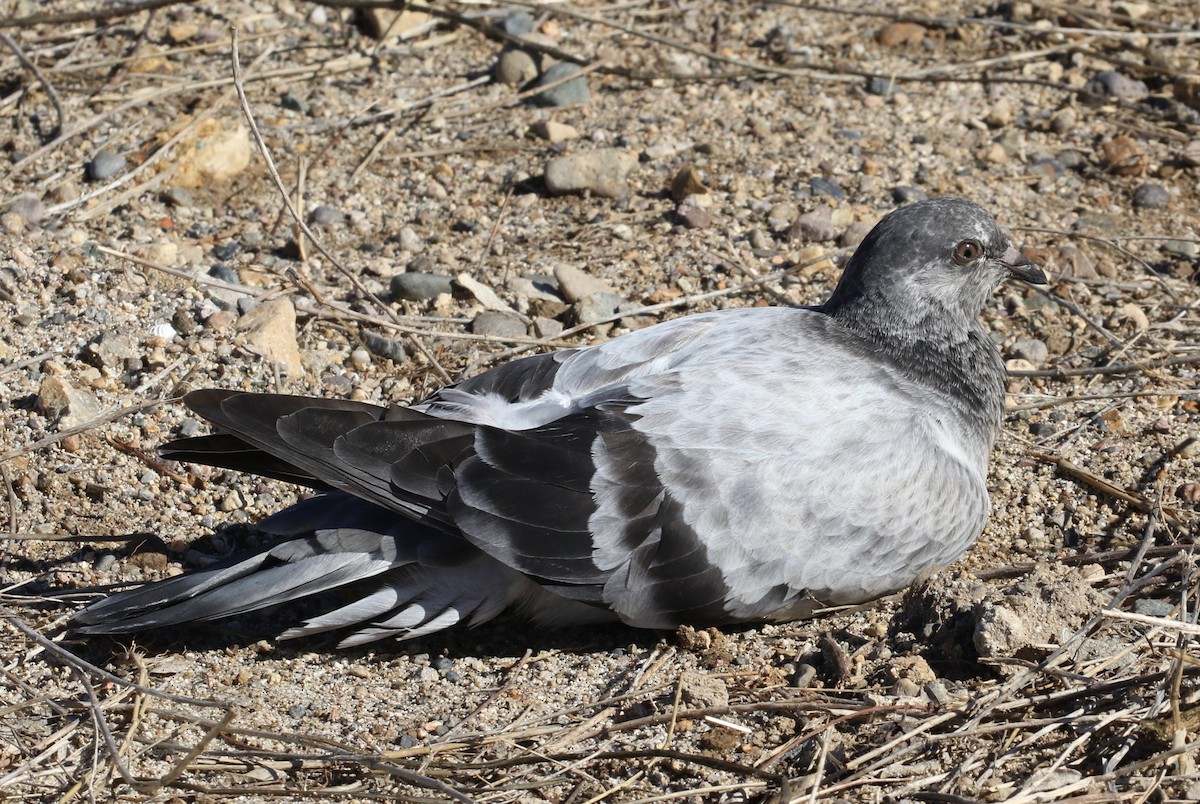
482,293
517,23
104,164
515,68
576,285
216,151
601,172
826,188
410,241
780,216
231,501
110,350
907,194
498,325
224,273
1064,121
814,227
687,182
1190,154
29,207
566,93
1112,84
270,328
760,241
387,348
1031,349
547,327
1188,249
325,216
895,34
360,359
880,86
703,691
419,286
178,197
1151,196
1123,156
692,215
70,406
855,233
554,132
596,307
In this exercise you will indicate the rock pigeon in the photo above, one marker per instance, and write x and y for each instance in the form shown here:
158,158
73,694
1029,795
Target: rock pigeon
746,465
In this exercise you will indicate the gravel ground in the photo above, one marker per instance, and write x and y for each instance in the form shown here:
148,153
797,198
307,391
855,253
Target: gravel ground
707,155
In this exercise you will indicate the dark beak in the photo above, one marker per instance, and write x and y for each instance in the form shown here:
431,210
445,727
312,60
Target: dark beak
1021,268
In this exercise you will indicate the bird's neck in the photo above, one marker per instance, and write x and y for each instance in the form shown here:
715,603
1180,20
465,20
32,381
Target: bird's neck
941,349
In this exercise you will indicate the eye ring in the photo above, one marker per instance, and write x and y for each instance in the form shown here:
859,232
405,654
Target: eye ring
967,252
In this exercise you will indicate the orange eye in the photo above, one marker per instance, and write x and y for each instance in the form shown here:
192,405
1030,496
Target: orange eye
967,251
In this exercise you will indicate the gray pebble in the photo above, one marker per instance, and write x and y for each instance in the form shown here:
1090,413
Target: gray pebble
1153,608
410,241
937,692
601,172
387,348
497,324
105,164
906,688
1031,349
814,227
855,233
224,273
515,67
780,216
573,91
297,711
442,663
325,215
692,215
596,307
881,86
246,303
293,102
190,428
178,197
1187,249
1112,84
907,194
826,188
104,562
419,287
1151,196
29,207
518,23
110,350
760,240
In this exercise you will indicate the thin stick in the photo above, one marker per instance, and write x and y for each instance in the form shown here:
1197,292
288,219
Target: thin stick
42,79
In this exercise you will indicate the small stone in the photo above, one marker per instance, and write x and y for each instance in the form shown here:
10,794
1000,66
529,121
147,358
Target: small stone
883,87
596,308
760,241
780,217
29,207
216,151
1112,84
70,406
387,348
360,359
569,92
906,688
270,328
419,286
1189,492
231,501
1064,121
105,164
110,351
1001,114
178,197
547,327
498,325
826,188
554,132
687,182
702,691
1190,155
1151,196
293,103
1030,349
576,285
325,216
855,233
482,293
1188,249
410,241
814,227
900,33
907,194
515,68
601,172
517,23
692,215
1123,156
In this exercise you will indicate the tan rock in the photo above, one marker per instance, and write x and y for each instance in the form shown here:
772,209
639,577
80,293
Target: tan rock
70,406
214,152
270,330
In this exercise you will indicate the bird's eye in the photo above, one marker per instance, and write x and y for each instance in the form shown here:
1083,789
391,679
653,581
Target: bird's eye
967,251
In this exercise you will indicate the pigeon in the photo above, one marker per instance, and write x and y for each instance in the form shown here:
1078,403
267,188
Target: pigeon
739,466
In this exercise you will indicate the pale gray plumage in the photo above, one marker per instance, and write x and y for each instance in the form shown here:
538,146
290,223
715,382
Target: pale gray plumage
744,465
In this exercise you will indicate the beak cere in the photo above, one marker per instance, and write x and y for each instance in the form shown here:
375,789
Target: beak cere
1021,268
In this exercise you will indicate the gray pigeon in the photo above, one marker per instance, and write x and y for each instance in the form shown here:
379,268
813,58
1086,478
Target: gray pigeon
738,466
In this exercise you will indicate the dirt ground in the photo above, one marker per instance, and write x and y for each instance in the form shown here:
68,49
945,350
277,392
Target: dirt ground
729,154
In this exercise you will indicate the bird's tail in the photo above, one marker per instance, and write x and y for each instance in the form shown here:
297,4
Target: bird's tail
418,580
